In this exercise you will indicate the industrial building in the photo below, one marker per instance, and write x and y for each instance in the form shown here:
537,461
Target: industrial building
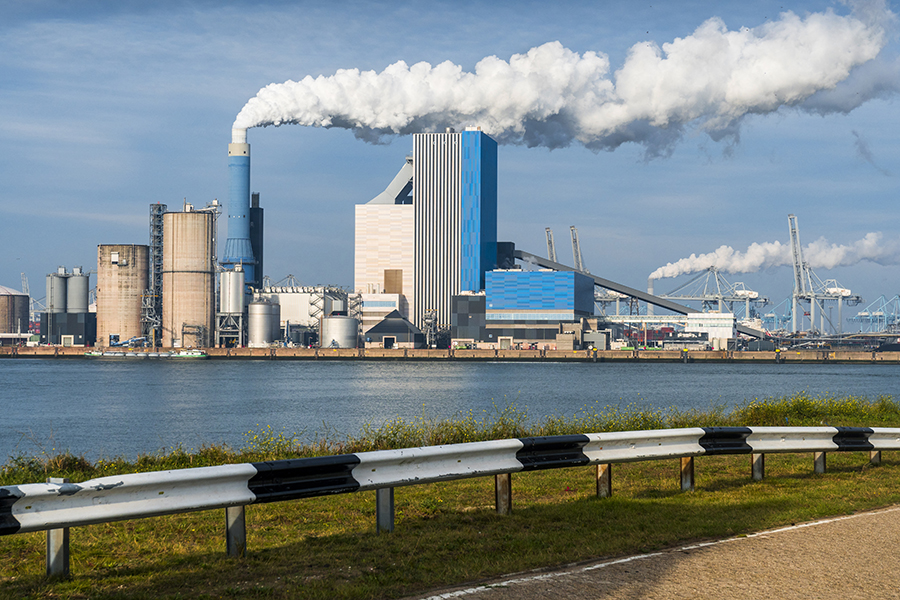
188,278
433,232
67,320
122,276
14,316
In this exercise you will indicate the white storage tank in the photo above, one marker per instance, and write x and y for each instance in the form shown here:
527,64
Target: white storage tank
339,332
262,323
231,290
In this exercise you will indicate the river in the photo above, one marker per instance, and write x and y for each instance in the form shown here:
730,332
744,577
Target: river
104,409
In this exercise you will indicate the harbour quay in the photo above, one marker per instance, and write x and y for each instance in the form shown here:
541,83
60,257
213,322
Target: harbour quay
463,354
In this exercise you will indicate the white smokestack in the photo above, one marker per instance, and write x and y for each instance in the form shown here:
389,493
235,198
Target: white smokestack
820,255
551,96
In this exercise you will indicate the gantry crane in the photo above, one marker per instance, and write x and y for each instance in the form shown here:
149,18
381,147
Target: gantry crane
551,249
576,251
809,288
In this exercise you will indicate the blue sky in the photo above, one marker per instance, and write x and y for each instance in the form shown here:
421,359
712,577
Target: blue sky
109,106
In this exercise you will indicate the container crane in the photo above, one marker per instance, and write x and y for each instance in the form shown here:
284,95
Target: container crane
551,249
716,293
576,251
809,288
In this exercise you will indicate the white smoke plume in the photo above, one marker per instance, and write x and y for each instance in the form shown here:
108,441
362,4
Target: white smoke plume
551,96
820,254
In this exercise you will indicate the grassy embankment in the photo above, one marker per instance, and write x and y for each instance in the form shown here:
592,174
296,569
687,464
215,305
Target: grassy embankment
448,533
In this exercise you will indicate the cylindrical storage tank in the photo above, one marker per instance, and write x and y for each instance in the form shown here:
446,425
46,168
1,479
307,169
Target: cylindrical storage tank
56,293
123,274
231,287
259,324
13,311
77,289
188,279
339,332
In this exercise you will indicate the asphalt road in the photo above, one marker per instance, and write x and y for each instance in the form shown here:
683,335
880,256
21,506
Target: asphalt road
855,556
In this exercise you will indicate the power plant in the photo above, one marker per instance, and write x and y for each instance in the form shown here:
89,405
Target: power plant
429,271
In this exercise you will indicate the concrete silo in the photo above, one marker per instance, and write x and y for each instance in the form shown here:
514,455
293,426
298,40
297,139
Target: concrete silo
13,311
188,279
122,276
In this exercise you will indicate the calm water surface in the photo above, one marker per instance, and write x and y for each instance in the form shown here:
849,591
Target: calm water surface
126,407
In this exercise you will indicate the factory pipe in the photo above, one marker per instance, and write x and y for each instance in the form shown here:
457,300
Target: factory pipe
238,250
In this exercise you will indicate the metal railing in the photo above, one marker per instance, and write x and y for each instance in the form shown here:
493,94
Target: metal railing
58,504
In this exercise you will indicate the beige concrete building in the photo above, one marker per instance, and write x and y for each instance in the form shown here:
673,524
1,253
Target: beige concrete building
188,279
122,277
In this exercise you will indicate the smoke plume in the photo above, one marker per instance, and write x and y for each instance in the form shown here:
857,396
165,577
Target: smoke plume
820,254
551,96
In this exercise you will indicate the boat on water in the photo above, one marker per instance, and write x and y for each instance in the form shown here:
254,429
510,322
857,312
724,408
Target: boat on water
177,354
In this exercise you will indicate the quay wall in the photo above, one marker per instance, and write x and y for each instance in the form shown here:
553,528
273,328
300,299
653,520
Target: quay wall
721,356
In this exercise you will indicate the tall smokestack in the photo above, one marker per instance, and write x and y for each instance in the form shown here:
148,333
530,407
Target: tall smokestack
238,250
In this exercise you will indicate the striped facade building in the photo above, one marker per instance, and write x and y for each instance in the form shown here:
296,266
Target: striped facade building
445,241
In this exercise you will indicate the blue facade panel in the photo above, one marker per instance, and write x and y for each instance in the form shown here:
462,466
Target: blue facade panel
557,291
478,247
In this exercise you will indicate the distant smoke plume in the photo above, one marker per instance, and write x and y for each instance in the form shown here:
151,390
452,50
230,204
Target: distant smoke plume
862,148
551,96
820,255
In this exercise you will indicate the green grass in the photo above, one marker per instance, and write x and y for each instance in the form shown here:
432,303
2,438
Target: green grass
449,533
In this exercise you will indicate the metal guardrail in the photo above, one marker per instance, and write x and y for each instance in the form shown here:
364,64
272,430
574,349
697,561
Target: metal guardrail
58,504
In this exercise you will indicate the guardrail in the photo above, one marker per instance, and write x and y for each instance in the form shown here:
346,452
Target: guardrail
58,504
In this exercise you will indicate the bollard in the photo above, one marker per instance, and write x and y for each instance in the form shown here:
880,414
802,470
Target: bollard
384,510
687,474
757,466
58,544
875,457
819,462
503,493
604,480
235,531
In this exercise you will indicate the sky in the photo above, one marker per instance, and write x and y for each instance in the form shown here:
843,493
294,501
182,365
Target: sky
659,131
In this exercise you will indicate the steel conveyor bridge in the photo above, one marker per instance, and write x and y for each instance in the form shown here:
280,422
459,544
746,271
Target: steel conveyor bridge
624,289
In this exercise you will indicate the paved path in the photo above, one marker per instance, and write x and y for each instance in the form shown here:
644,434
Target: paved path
856,556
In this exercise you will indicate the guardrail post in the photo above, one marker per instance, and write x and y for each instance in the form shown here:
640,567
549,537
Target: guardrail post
757,466
235,531
58,544
687,474
384,510
819,462
604,480
503,493
875,457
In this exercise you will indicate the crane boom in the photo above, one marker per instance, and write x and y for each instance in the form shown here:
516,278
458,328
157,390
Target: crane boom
551,249
797,253
576,250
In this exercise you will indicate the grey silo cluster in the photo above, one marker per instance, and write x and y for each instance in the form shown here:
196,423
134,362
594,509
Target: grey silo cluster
68,292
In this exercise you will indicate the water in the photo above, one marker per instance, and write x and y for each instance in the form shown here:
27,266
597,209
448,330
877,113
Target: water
127,407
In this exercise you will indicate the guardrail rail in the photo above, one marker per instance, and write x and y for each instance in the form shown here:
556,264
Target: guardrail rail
57,505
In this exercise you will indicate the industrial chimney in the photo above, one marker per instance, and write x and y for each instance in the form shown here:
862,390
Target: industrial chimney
238,250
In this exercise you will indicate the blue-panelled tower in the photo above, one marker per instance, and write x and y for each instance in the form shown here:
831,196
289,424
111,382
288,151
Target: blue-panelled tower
455,213
238,249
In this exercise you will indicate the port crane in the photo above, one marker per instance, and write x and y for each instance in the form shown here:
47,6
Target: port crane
808,288
576,251
551,248
717,294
